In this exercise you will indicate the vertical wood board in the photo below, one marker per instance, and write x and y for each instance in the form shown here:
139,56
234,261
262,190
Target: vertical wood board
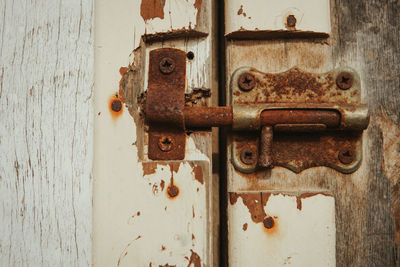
46,133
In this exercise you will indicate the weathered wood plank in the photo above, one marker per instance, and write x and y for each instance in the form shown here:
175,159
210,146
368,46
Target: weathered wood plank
368,35
365,36
136,221
46,73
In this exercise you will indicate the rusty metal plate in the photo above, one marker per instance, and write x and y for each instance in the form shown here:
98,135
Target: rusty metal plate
340,150
165,104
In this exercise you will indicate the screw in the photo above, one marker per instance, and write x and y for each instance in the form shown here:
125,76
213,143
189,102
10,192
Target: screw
291,21
344,80
167,65
346,156
165,143
173,191
269,222
116,105
247,81
248,155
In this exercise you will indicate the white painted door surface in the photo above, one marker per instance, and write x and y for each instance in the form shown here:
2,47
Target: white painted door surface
137,222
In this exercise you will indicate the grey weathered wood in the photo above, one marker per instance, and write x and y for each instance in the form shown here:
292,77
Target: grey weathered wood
368,38
46,137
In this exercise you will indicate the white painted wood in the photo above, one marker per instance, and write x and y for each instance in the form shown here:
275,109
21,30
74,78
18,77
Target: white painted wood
46,134
270,15
125,183
300,237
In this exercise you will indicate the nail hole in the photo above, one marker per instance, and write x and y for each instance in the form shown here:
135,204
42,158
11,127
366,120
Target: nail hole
190,55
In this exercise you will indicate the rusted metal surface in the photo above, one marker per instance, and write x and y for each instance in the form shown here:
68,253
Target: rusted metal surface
266,141
223,116
291,22
246,81
207,116
344,80
296,142
115,104
249,155
295,86
165,102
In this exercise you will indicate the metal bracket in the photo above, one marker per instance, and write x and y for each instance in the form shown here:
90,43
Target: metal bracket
165,103
297,146
293,119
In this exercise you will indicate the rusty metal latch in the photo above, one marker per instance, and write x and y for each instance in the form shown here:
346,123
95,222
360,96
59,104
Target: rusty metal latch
293,119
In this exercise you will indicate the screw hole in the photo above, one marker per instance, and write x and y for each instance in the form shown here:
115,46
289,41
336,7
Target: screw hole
190,55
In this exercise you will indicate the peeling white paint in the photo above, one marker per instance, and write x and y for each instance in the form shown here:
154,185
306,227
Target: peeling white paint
270,15
303,237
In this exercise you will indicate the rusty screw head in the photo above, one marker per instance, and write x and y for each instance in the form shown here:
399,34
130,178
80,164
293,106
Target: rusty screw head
344,80
346,156
116,105
269,222
167,65
173,191
165,143
291,21
247,81
248,155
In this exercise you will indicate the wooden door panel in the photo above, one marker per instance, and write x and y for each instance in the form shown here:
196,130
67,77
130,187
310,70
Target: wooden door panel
150,213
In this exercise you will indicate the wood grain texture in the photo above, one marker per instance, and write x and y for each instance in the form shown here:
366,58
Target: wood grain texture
368,37
46,137
365,36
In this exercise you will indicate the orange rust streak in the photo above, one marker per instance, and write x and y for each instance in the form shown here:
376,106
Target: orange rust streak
306,195
116,107
197,5
150,9
195,259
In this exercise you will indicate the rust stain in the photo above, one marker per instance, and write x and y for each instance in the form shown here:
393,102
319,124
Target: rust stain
162,247
306,195
245,226
150,9
240,11
194,260
149,168
197,5
115,105
162,185
198,174
172,190
167,265
193,237
125,251
193,214
254,203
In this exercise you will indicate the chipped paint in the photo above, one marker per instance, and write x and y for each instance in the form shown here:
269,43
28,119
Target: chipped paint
195,260
150,9
280,236
269,17
198,173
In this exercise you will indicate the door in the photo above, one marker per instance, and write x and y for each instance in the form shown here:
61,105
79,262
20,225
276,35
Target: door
199,210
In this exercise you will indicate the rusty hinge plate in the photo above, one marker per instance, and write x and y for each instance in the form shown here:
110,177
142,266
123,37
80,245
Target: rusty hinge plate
340,150
165,103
